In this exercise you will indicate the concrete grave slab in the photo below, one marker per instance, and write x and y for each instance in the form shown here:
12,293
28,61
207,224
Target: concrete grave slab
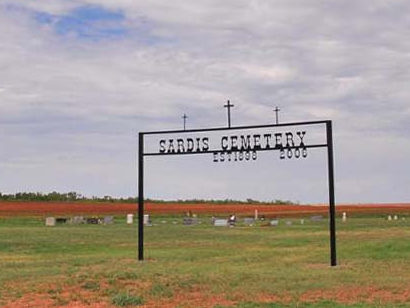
50,221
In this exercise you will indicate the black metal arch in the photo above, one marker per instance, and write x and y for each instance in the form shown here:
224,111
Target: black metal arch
328,145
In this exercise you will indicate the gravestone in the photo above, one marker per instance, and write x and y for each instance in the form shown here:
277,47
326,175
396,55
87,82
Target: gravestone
396,217
50,221
302,221
232,220
288,223
274,222
76,220
108,220
248,221
344,217
316,218
147,220
61,220
130,219
221,222
93,220
189,221
389,218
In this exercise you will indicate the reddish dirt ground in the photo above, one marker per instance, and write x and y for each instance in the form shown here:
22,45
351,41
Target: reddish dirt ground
85,208
346,295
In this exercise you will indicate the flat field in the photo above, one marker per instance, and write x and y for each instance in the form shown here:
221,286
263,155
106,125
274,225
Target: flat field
270,210
205,266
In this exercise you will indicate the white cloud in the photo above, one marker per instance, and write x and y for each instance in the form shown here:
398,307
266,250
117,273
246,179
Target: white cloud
340,60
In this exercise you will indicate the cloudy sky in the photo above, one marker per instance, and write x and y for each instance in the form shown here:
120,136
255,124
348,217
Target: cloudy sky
79,79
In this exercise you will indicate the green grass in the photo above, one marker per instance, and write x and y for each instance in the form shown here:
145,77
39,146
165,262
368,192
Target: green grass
242,265
125,299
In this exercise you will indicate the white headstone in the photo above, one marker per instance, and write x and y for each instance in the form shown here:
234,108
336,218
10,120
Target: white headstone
344,217
146,219
396,217
389,217
130,219
274,222
302,221
50,221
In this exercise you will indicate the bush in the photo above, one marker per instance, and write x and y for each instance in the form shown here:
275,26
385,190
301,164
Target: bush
160,290
126,299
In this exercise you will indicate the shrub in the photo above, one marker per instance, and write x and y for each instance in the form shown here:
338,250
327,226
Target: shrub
126,299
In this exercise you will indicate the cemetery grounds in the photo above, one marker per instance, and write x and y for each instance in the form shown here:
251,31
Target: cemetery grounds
202,265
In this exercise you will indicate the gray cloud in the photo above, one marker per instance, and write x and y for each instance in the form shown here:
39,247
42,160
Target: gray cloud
73,105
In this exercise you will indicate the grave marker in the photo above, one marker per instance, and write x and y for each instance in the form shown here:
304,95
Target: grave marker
248,221
316,218
61,220
76,220
108,220
147,220
221,222
189,221
50,221
93,220
130,219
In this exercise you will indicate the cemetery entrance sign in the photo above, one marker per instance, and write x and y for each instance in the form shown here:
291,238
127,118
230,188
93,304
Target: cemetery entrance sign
239,144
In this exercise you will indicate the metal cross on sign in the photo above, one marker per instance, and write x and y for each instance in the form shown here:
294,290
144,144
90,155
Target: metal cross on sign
184,117
277,114
229,106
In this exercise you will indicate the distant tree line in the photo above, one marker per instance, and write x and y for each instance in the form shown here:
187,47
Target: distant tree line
56,196
74,196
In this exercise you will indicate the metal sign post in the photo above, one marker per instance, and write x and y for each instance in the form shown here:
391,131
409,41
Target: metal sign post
244,147
332,210
141,196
